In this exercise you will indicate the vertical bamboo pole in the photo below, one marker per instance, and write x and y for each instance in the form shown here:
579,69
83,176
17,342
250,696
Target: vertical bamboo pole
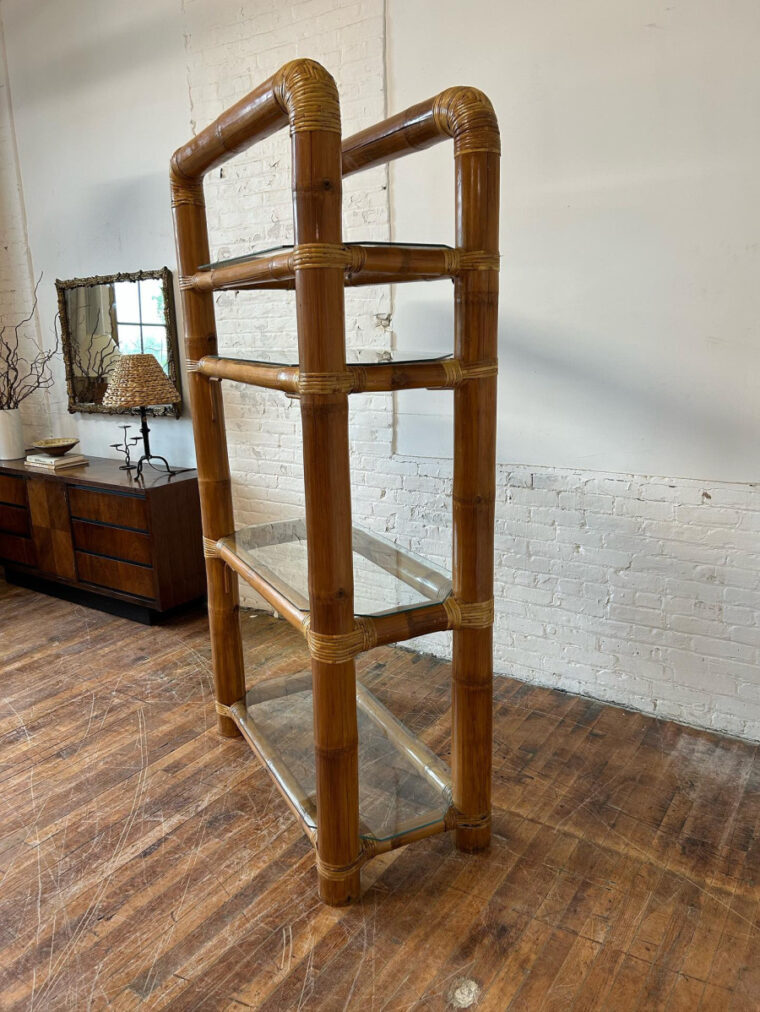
472,122
317,209
210,446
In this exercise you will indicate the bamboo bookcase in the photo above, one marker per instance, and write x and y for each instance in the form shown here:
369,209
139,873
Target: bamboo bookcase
404,792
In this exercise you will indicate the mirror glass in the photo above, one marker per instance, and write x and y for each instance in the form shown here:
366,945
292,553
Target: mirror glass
103,318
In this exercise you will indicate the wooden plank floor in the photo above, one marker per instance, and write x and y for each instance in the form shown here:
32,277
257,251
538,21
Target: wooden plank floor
146,862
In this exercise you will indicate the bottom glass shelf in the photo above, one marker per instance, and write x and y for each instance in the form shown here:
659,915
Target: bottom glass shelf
403,786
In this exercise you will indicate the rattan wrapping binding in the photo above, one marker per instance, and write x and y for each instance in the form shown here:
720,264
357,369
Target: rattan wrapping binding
457,373
467,115
468,615
343,647
308,94
325,382
479,370
473,822
308,255
337,873
478,260
450,819
210,549
186,191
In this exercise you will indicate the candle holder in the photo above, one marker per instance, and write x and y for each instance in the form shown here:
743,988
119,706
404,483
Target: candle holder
125,448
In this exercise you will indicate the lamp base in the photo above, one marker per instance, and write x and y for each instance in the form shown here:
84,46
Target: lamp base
148,458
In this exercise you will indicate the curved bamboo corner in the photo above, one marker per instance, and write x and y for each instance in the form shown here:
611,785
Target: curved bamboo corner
303,95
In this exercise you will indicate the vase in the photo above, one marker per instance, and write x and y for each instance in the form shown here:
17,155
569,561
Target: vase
11,434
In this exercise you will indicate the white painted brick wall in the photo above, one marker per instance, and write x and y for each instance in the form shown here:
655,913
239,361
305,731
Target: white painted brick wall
16,282
641,591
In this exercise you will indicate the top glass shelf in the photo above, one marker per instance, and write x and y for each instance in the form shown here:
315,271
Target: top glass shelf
256,254
359,358
386,579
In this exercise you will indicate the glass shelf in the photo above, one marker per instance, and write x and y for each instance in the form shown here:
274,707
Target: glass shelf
403,786
257,254
386,579
354,358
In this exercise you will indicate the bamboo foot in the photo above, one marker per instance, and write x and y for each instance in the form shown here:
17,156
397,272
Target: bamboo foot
472,840
340,892
227,728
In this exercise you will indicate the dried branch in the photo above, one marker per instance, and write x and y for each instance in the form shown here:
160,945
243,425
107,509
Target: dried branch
93,361
20,377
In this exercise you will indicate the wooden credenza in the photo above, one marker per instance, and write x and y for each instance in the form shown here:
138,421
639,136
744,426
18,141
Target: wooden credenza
95,535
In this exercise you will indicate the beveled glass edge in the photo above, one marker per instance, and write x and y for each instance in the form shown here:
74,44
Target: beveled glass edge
272,760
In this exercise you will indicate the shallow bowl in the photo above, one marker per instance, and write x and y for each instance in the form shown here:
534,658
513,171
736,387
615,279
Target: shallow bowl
55,447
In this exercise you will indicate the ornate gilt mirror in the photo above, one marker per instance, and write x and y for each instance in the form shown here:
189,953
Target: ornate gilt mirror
103,318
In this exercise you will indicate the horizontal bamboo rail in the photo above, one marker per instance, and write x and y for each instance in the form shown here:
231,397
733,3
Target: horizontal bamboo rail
407,625
462,113
442,374
418,754
378,263
299,803
444,824
290,95
270,376
278,601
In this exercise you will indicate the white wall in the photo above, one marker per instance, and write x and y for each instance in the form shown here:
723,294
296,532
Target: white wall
630,308
16,280
100,101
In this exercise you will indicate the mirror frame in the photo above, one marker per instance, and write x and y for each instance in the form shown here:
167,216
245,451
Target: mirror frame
172,341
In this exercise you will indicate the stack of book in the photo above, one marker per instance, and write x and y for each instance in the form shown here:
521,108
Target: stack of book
43,460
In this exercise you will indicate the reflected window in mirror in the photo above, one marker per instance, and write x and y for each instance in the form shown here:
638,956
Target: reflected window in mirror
105,317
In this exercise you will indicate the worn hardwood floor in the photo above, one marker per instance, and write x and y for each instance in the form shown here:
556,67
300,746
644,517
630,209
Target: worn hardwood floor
146,862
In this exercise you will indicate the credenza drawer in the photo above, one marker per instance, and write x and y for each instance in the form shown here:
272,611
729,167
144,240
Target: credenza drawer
108,508
20,550
12,490
99,539
114,575
14,519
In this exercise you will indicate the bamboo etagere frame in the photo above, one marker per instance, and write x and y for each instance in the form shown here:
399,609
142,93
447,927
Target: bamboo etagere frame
319,265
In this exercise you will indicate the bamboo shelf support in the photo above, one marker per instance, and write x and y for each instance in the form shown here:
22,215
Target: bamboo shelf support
371,378
303,96
362,264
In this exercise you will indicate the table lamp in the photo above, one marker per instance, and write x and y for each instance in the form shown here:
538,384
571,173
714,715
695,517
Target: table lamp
138,381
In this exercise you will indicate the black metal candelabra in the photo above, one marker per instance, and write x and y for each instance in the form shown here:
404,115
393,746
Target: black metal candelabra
125,448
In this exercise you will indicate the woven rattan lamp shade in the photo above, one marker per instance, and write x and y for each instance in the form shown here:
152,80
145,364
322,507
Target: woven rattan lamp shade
139,381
